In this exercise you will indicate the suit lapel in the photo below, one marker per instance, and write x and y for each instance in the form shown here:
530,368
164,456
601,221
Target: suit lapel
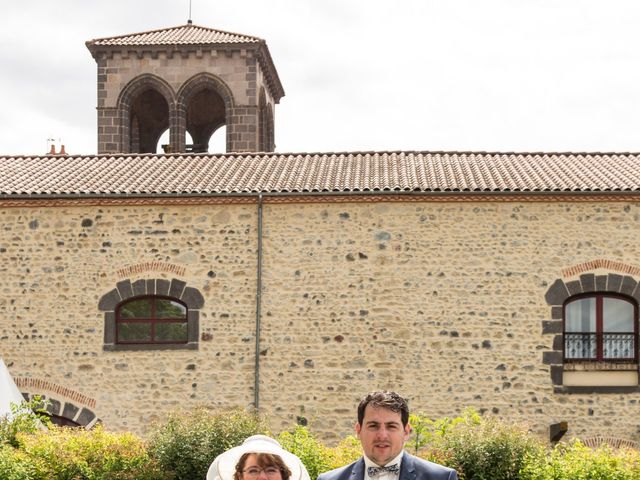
357,472
407,468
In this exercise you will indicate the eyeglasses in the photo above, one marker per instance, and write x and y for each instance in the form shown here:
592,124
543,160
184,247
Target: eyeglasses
254,472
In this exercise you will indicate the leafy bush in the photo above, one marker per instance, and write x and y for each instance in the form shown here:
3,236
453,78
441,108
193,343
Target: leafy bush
346,452
314,455
15,465
483,449
576,461
425,431
26,417
70,454
186,444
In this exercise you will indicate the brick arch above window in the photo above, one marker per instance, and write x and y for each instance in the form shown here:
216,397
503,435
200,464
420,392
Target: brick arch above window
556,296
613,442
175,288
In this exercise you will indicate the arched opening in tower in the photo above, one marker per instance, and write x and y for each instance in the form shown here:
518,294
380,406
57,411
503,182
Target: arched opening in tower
205,114
217,142
149,118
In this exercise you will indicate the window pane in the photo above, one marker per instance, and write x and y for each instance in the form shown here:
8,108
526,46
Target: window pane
618,315
170,309
580,315
134,332
171,332
136,309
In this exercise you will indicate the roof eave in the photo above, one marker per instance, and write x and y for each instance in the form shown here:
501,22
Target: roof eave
333,193
260,48
96,50
277,90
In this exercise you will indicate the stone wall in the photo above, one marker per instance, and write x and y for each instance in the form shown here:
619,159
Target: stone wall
58,263
228,65
442,301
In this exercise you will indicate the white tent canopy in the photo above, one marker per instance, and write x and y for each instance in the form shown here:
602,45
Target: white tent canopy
9,392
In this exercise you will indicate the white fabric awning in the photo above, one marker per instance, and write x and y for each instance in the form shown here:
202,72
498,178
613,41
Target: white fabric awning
9,392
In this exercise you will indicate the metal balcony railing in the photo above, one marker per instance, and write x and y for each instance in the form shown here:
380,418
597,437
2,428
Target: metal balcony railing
600,346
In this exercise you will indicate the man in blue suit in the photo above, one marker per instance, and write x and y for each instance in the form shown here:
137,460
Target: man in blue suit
383,428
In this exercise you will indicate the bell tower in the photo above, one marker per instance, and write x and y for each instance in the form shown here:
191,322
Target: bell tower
184,79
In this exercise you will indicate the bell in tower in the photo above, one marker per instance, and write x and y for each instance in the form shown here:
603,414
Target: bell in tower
185,79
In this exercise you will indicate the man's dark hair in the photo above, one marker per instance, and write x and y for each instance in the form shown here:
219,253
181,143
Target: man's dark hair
387,400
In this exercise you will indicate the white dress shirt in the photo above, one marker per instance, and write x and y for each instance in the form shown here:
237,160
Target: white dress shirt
384,475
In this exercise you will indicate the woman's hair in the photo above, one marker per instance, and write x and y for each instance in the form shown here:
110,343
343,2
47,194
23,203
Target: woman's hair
264,460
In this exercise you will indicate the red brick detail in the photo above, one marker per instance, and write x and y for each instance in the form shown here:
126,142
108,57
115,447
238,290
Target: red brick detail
28,383
154,266
611,265
445,198
319,198
107,202
613,442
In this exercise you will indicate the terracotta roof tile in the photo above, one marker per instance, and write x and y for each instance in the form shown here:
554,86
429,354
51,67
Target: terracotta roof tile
319,172
181,35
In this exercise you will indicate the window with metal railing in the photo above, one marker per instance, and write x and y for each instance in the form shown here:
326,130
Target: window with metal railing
600,328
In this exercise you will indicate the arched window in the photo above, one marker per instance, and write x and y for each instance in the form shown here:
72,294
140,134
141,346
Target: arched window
151,319
158,321
205,104
62,421
145,106
600,328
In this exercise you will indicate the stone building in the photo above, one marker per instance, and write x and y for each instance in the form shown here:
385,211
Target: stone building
135,284
184,79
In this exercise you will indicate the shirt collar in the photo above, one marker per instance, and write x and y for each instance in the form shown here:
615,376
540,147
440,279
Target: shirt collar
370,463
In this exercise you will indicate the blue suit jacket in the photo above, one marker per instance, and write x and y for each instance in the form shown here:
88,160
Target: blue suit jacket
411,468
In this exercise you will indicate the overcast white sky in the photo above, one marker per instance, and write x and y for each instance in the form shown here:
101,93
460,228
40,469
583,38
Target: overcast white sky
494,75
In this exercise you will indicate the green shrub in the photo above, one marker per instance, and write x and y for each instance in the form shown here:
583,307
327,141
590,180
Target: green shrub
26,417
301,442
346,452
425,431
15,465
70,454
483,449
186,444
576,461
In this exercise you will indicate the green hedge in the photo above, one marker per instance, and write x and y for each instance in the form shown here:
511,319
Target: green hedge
481,449
574,461
184,446
485,449
76,454
15,464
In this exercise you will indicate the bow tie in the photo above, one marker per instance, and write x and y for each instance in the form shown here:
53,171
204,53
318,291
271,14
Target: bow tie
373,471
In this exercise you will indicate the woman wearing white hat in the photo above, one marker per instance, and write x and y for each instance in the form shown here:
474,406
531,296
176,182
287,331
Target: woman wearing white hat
258,458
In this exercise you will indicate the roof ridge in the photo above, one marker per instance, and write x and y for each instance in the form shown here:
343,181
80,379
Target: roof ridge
320,153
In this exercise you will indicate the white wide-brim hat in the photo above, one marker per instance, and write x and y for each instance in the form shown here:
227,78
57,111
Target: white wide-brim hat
224,465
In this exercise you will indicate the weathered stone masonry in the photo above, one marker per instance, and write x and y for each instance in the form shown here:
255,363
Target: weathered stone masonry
447,302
